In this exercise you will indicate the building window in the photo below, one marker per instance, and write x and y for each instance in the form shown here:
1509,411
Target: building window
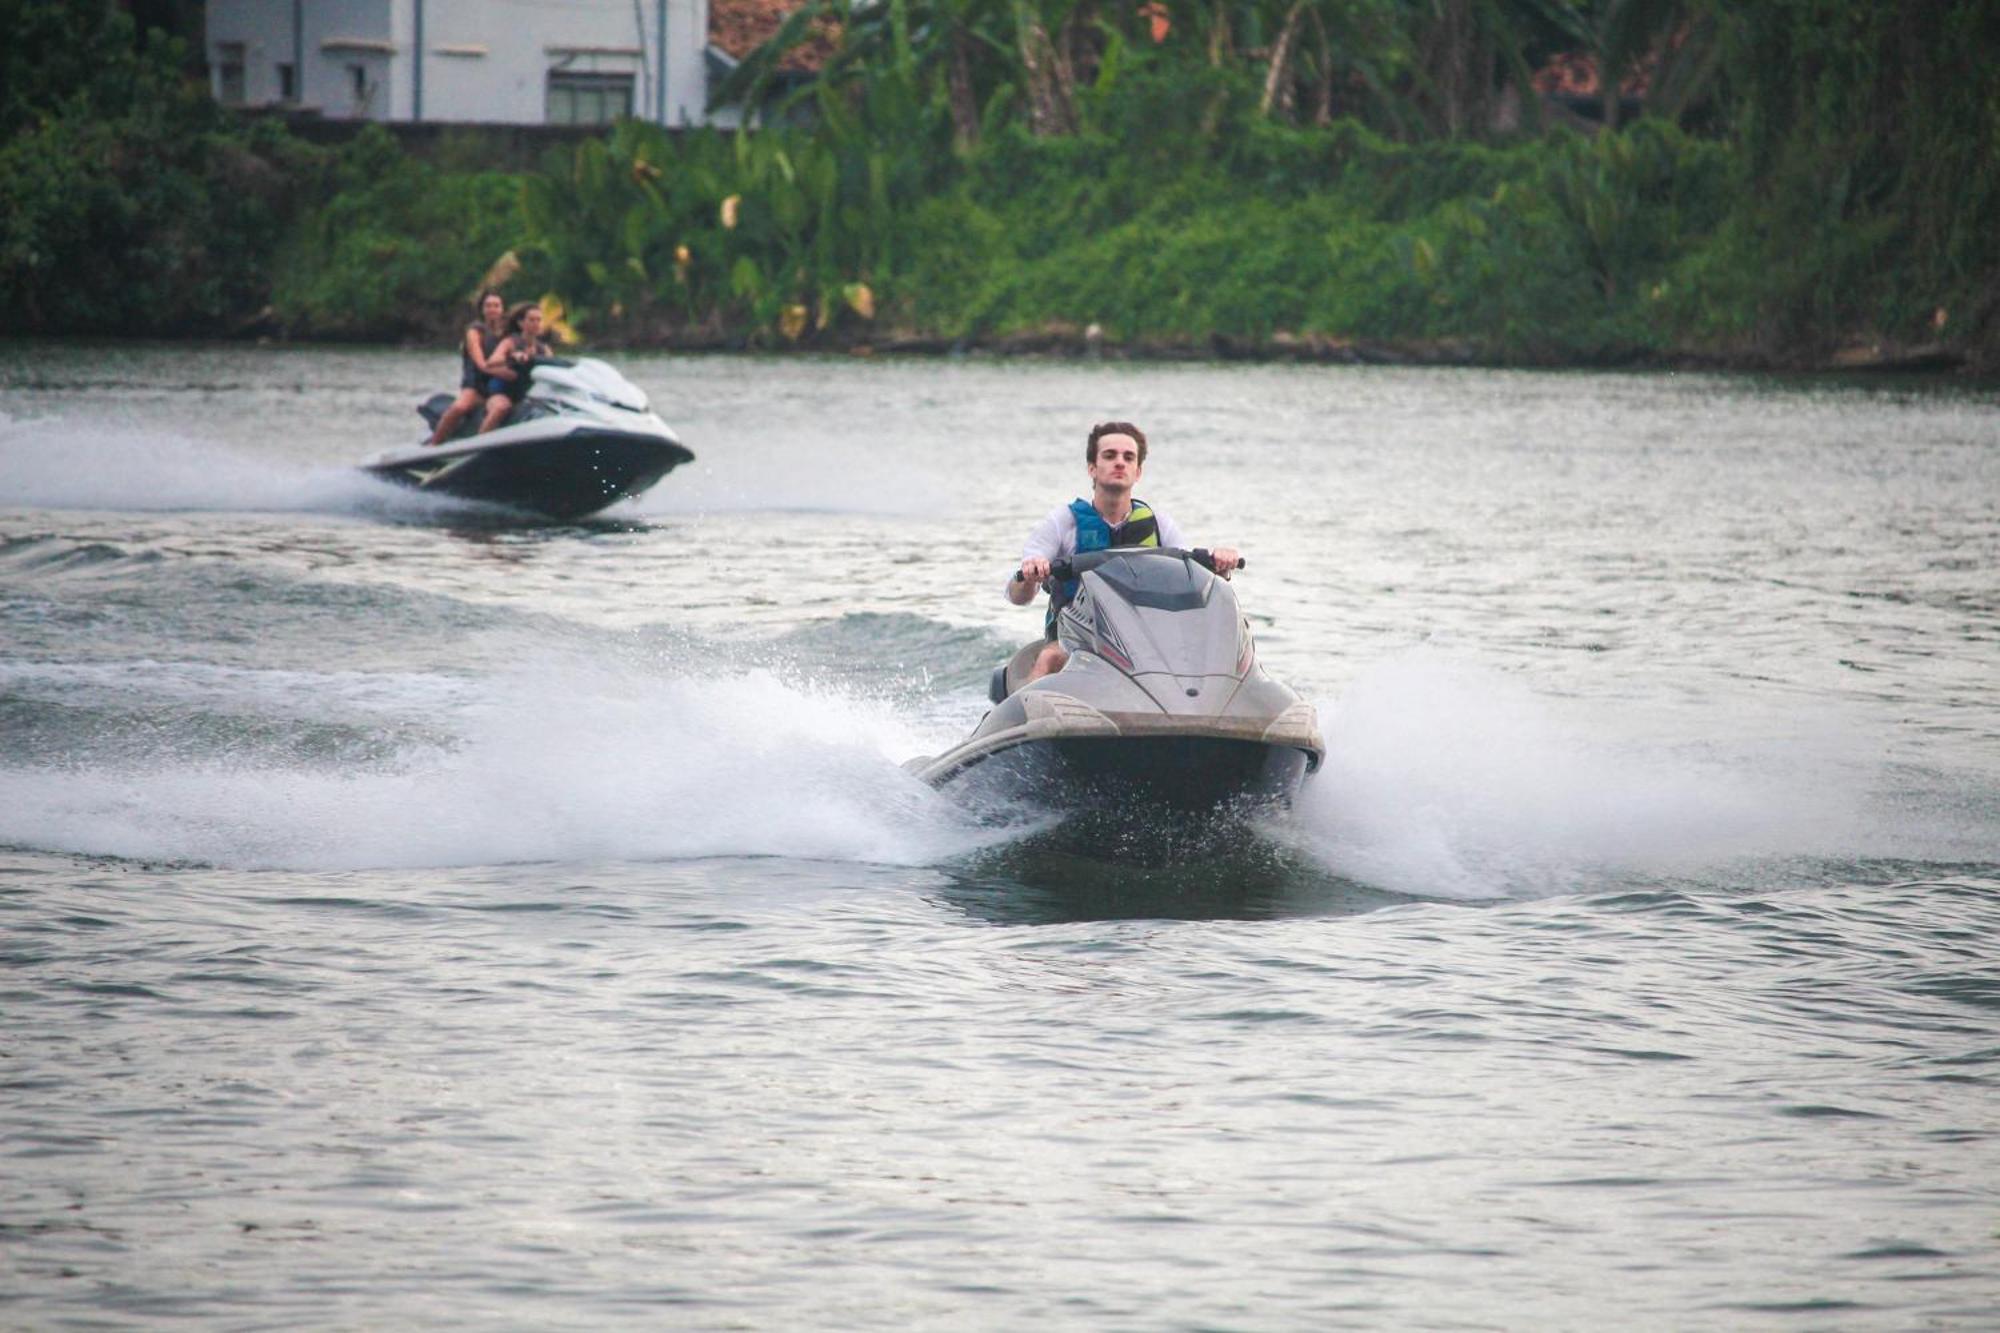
358,84
229,73
588,99
288,82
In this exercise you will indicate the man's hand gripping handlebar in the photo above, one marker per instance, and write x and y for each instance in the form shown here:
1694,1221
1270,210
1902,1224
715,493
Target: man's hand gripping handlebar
1037,570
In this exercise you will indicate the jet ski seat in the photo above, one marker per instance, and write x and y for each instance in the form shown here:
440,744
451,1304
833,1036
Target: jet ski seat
1013,675
433,408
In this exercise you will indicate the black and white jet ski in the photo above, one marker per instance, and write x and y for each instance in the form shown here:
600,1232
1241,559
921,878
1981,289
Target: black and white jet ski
581,438
1162,706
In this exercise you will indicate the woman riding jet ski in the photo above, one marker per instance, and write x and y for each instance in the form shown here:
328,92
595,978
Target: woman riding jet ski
579,437
1162,703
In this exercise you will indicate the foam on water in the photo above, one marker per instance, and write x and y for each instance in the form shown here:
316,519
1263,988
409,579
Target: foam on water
556,760
61,464
1447,779
1443,780
180,684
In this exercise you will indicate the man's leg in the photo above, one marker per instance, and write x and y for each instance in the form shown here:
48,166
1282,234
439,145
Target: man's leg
1049,661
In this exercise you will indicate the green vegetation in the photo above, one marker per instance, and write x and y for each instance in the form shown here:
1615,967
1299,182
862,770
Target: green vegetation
1550,249
128,203
1778,183
393,247
131,205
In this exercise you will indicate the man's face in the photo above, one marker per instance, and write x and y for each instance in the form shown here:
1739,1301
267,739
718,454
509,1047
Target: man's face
1117,465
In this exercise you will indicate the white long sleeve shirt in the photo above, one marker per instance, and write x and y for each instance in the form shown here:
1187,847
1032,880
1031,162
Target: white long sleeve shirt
1054,538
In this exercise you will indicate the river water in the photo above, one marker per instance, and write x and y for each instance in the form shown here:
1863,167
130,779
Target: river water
409,917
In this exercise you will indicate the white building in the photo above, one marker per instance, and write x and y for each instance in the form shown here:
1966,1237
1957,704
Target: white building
521,62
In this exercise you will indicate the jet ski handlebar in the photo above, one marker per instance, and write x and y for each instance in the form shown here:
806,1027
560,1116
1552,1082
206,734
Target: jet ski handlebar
1076,564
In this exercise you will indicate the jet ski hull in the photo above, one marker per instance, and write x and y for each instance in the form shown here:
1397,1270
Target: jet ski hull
565,477
1187,775
583,437
1161,721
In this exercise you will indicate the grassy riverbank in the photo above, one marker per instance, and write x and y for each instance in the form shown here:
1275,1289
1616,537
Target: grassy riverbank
1327,244
1833,211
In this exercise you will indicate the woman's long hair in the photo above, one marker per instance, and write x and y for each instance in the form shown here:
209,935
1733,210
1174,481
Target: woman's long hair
515,316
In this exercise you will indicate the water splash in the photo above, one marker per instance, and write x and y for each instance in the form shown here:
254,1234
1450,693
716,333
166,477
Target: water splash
63,464
1445,779
555,760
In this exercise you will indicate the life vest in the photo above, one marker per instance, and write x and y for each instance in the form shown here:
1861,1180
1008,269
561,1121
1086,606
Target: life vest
1140,528
472,376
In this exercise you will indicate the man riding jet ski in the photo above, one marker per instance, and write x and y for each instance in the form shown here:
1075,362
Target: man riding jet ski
1147,684
1115,454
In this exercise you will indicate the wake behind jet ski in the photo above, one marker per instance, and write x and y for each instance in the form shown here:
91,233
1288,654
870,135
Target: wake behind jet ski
1162,706
581,437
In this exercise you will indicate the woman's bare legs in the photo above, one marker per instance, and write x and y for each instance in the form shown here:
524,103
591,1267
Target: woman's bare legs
497,408
460,408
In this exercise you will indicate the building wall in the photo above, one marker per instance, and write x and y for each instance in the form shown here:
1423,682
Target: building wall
352,57
260,31
482,60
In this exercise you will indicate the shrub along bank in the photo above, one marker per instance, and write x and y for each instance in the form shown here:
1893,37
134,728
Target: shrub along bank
129,204
1615,248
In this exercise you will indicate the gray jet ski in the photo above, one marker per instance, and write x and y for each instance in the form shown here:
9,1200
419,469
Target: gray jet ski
1163,704
582,437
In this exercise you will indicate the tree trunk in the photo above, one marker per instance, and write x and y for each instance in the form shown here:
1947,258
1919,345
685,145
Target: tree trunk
1457,20
1082,43
1050,111
963,98
1220,44
1446,57
1064,67
1278,79
1479,83
899,38
1323,94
